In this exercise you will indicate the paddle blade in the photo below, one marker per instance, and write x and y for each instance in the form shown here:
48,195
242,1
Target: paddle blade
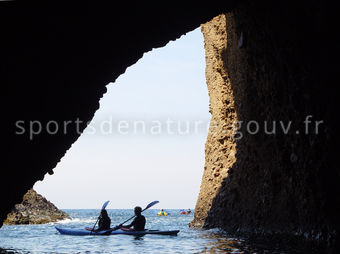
105,204
151,204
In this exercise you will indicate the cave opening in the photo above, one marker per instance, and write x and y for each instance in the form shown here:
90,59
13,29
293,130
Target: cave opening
288,184
146,141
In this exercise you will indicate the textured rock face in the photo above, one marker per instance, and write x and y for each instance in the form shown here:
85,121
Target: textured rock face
35,209
260,69
220,146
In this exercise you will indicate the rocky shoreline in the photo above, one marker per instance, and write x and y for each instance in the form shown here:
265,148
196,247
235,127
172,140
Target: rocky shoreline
34,209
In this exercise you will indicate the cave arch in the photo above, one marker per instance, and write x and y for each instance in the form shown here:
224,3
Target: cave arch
57,62
58,59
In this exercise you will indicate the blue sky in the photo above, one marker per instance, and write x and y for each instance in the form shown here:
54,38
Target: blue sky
161,157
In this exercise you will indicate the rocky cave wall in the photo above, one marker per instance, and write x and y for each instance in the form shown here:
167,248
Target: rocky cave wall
265,61
268,63
56,58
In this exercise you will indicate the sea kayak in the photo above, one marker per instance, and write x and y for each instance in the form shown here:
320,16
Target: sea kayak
71,231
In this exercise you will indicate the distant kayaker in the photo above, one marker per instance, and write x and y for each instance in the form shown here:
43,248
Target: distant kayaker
138,223
104,221
189,211
162,213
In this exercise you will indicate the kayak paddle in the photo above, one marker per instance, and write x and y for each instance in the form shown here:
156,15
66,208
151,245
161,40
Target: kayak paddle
115,228
103,207
147,207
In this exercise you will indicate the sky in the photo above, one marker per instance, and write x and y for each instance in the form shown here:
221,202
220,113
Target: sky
146,141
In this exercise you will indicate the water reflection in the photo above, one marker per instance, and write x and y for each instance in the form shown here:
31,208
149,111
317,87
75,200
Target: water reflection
219,242
11,251
138,240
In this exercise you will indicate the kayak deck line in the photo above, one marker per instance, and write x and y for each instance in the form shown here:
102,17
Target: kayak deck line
79,232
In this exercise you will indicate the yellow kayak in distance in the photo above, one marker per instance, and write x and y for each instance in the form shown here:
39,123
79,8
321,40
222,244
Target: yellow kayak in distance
162,213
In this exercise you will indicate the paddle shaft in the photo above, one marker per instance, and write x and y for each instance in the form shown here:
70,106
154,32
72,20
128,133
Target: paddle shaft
94,225
147,207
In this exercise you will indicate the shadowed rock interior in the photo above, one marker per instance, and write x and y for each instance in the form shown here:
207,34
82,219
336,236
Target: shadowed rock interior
265,62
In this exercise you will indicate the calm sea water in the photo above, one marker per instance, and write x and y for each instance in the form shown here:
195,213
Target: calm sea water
45,238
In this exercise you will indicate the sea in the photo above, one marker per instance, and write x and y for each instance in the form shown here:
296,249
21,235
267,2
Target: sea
45,238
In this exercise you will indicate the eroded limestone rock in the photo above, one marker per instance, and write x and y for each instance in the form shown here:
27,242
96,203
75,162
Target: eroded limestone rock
35,209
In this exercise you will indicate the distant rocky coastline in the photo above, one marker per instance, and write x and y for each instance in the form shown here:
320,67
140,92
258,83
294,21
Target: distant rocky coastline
35,209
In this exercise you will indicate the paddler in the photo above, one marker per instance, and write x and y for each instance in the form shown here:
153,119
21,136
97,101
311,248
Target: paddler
162,213
138,223
104,221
